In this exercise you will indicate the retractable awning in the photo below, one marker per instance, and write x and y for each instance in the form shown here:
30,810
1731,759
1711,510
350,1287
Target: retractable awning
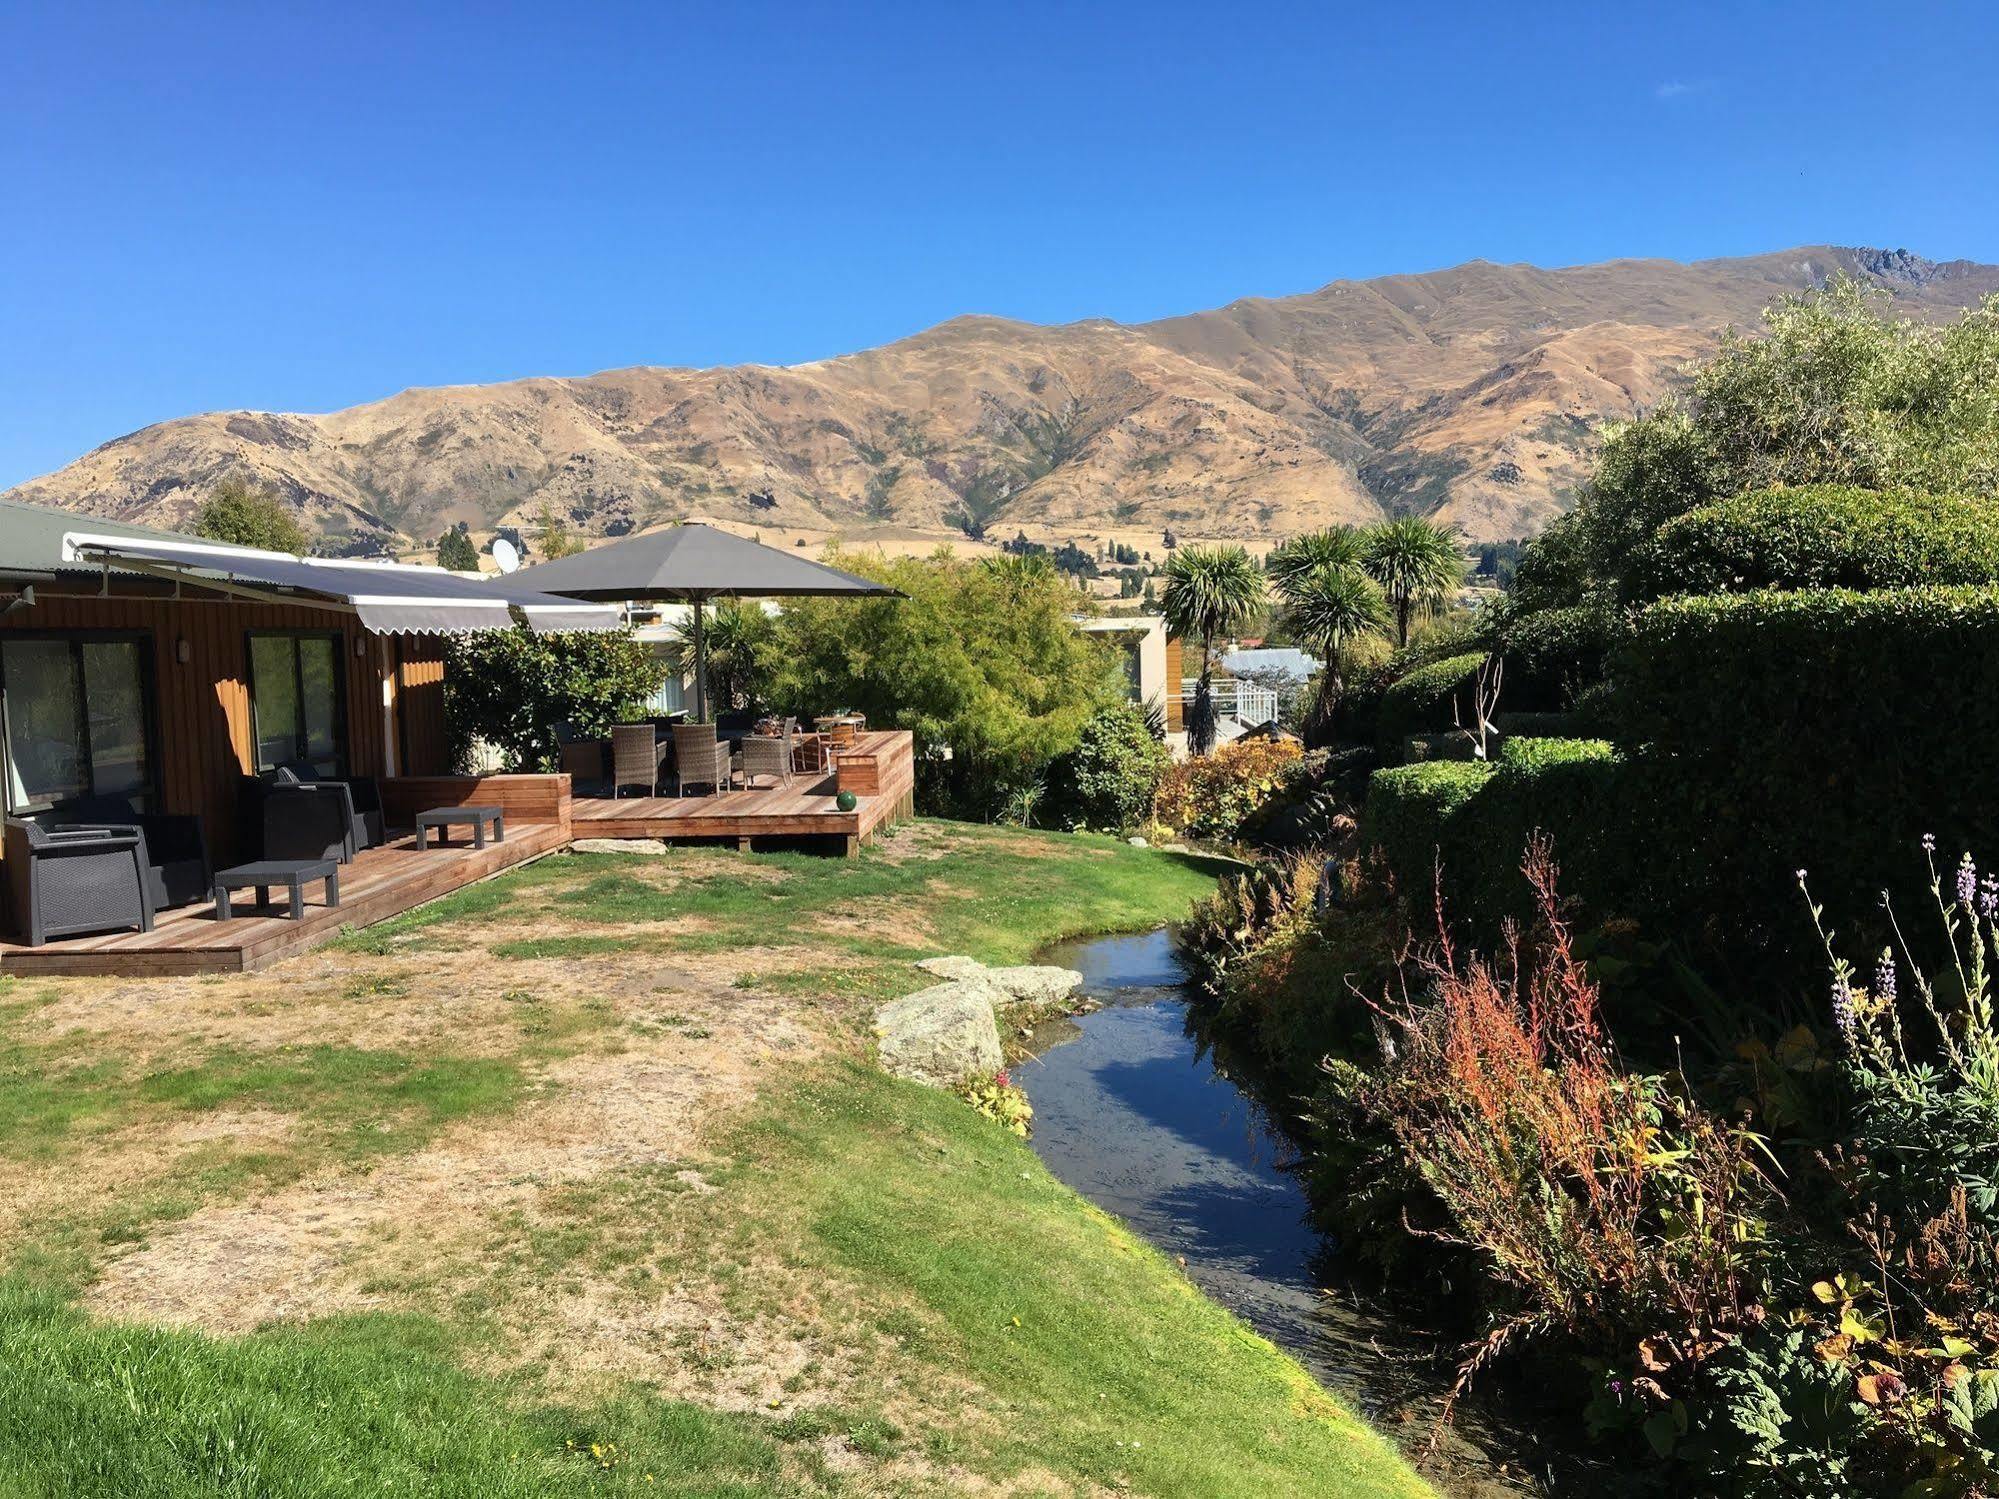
389,598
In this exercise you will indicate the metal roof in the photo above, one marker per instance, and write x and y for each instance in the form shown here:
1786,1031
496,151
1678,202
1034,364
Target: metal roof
31,538
388,597
1273,661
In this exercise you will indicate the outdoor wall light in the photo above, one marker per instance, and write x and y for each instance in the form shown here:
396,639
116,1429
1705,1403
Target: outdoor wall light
181,650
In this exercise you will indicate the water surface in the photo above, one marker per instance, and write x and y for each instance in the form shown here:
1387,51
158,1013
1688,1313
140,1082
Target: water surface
1132,1114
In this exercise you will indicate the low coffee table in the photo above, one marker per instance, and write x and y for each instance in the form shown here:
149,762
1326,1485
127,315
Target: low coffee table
293,874
443,819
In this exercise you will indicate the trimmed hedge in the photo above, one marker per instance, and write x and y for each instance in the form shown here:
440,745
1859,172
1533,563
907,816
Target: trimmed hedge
1820,536
1553,654
1423,700
1473,820
1826,730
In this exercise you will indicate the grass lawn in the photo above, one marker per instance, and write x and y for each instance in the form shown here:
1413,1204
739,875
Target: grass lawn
581,1180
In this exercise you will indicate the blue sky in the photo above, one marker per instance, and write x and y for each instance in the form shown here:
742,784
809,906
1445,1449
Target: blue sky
302,207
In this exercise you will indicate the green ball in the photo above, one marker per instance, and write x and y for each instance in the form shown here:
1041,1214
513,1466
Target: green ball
846,801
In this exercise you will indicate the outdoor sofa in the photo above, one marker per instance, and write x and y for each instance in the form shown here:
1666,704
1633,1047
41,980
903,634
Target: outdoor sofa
67,879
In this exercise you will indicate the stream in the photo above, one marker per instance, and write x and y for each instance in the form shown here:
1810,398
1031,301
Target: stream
1133,1115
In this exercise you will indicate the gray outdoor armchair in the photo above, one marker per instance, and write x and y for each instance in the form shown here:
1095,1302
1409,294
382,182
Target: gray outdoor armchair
700,759
69,879
364,800
285,819
177,865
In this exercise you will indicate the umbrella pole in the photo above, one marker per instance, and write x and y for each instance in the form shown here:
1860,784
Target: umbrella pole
700,669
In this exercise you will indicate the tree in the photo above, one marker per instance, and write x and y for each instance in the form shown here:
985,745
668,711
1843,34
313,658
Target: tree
1108,781
1837,392
1336,548
247,517
981,661
1416,563
741,643
1331,609
552,538
509,689
455,550
1210,591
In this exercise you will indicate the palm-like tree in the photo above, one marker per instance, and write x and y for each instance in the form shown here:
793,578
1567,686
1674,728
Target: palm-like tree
1210,591
740,639
1416,564
1329,609
1333,549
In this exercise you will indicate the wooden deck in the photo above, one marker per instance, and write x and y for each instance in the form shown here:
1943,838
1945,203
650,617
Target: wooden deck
880,770
542,817
381,883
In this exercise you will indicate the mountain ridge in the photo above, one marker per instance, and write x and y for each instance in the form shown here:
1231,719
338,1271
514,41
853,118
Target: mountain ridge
1474,393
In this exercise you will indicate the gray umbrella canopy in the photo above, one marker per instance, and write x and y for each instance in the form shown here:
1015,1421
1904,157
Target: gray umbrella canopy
690,564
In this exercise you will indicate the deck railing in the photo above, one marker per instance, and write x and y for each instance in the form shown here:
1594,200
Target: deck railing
1248,703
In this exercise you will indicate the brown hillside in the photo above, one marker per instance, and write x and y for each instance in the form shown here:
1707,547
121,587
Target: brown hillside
1474,393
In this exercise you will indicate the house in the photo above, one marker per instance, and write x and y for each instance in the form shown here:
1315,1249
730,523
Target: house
1151,659
169,671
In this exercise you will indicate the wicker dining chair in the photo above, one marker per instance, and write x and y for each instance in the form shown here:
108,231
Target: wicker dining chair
634,758
700,759
583,763
766,755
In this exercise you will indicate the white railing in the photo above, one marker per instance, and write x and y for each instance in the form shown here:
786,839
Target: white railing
1248,703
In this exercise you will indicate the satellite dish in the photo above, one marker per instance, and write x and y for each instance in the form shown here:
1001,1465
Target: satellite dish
506,554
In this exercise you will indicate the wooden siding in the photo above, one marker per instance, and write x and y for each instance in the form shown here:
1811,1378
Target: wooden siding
524,798
203,729
1176,716
420,706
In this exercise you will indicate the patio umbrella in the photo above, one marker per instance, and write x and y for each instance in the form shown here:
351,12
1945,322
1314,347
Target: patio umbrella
690,564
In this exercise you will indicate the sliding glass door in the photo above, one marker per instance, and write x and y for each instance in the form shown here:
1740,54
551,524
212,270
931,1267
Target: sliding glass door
78,718
298,701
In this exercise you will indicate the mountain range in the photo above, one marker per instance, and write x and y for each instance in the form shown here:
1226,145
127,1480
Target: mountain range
1476,395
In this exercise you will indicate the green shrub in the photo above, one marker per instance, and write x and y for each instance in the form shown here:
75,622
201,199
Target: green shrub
1821,536
1819,730
1535,725
1110,779
510,688
1553,654
1409,815
1423,700
978,658
1471,822
1213,796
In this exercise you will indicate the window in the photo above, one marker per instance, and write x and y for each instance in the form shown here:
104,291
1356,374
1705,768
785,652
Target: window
297,704
78,718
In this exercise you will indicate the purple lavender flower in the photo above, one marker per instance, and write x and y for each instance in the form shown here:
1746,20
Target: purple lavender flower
1884,977
1967,882
1843,1014
1988,897
1929,843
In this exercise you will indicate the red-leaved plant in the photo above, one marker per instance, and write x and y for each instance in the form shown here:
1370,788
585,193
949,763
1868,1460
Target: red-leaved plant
1610,1207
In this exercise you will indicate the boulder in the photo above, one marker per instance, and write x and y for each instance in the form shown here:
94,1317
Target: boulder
940,1035
1032,984
958,967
